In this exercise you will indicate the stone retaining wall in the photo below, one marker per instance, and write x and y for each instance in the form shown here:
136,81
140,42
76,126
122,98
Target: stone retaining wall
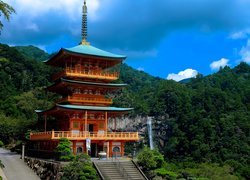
46,170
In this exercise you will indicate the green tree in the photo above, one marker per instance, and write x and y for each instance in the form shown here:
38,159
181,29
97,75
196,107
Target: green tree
80,169
63,149
5,10
150,159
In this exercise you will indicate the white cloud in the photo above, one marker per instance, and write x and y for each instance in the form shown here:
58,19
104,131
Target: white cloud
245,52
188,73
215,65
136,53
140,69
32,27
240,34
36,8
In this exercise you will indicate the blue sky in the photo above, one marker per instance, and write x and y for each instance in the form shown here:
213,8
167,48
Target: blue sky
172,39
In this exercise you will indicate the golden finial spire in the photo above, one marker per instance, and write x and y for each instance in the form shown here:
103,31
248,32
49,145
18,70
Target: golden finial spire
84,24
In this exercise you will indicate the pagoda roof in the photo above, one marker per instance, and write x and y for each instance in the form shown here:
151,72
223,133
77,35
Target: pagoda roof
92,51
84,50
93,83
88,108
60,84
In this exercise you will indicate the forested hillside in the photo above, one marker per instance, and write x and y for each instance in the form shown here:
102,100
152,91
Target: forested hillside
32,52
206,119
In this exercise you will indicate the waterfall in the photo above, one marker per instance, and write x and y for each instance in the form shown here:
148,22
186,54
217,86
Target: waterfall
150,135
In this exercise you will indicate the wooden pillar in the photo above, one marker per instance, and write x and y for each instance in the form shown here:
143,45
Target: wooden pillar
115,124
106,121
45,122
86,118
74,147
110,148
122,149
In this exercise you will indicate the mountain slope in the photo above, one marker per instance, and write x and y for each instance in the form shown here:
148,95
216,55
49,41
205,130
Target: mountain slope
204,120
33,52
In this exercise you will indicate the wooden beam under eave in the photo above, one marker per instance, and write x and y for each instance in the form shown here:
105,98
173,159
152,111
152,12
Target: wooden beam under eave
86,119
106,121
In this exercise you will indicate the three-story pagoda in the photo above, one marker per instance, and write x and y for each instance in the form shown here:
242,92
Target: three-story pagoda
82,113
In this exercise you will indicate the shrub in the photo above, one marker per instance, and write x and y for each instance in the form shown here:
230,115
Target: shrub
165,173
1,143
63,150
150,159
1,164
80,169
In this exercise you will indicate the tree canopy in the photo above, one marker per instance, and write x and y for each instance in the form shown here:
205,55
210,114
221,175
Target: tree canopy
6,10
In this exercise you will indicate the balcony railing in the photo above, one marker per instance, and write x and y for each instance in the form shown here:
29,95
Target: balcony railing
87,100
85,73
83,135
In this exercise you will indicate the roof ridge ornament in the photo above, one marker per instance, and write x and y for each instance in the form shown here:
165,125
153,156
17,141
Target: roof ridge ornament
84,24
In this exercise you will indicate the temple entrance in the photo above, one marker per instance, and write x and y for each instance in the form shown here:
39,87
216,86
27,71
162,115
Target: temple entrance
91,127
93,150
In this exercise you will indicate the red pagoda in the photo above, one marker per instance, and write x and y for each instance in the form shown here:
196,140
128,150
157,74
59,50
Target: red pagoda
82,113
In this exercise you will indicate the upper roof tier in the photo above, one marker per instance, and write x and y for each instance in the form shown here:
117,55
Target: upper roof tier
65,86
83,50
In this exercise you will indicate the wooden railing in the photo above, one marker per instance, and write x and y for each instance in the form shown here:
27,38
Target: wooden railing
84,73
73,99
41,135
82,135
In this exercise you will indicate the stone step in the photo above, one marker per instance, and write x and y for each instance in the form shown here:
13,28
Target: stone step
110,170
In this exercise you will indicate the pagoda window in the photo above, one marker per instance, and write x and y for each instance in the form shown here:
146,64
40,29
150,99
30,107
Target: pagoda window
79,150
101,125
77,91
98,92
90,91
85,91
75,116
91,116
76,125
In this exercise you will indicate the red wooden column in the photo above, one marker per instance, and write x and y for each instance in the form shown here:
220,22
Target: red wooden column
122,149
86,119
106,121
74,147
110,148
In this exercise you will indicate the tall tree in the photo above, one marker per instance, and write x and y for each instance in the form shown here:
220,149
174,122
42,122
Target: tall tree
5,10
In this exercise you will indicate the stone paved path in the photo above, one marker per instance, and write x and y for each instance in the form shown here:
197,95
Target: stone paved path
15,168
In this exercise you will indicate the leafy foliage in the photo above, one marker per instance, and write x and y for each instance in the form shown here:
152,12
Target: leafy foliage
5,10
152,162
1,144
80,169
63,150
32,52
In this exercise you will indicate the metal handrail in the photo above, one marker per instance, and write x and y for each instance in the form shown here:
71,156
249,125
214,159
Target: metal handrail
98,171
139,169
120,168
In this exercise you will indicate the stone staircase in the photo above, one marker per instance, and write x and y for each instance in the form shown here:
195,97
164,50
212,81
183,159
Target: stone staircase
118,170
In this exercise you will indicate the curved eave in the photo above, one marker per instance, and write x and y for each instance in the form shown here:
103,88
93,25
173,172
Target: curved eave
86,108
93,83
65,82
75,51
99,53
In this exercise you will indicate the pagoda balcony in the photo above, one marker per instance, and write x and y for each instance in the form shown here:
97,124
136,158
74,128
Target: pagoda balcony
86,100
84,73
83,135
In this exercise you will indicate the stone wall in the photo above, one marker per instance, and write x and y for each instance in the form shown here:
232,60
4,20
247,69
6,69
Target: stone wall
46,170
